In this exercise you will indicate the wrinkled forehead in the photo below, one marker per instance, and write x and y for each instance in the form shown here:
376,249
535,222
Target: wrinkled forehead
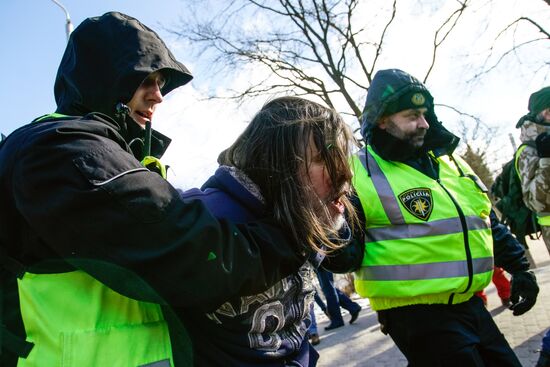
420,110
405,113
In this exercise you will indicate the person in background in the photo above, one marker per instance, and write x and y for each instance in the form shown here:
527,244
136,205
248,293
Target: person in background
320,303
544,357
533,166
431,236
502,285
313,333
533,159
95,249
335,299
290,163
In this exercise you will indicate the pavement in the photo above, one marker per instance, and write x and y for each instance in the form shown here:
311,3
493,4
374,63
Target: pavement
363,344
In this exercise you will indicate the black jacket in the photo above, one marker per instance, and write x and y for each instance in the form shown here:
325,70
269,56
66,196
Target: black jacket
73,196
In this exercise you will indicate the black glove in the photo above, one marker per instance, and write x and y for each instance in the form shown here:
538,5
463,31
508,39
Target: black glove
524,292
543,145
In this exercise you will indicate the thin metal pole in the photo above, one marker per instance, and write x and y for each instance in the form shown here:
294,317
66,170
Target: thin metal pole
68,23
513,141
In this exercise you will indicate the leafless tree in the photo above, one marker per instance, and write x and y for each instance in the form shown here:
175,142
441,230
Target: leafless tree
310,47
476,158
477,145
533,34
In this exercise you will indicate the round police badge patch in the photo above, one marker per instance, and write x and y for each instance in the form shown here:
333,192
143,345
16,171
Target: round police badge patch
418,202
418,99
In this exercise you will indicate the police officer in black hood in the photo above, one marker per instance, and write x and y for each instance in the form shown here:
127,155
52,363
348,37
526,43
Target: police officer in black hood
95,249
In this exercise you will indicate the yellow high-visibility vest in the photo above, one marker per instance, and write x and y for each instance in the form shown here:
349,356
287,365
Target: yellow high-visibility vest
74,320
427,241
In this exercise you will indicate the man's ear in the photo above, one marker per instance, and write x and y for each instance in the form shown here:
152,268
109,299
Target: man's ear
382,123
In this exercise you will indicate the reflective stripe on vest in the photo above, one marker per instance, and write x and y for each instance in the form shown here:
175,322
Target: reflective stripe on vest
434,228
74,320
447,269
408,257
383,189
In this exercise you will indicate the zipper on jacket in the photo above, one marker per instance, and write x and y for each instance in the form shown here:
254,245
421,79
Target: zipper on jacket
466,241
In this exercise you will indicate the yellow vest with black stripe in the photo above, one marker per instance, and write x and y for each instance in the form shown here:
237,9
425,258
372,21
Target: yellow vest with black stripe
426,241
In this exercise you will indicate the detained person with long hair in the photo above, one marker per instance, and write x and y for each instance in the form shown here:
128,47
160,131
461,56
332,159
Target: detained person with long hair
290,163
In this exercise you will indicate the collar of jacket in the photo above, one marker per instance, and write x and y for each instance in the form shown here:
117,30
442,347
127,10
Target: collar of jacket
235,183
534,118
134,135
530,130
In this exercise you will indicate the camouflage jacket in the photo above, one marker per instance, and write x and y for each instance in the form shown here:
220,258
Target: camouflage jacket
534,172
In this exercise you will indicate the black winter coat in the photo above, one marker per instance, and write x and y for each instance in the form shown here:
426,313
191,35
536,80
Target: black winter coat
73,196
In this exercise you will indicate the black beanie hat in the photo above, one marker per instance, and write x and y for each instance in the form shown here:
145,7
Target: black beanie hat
539,101
410,100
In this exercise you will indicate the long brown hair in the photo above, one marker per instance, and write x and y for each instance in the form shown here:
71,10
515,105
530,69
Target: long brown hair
272,152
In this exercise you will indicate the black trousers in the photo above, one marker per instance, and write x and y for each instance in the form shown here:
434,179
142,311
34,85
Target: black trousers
448,335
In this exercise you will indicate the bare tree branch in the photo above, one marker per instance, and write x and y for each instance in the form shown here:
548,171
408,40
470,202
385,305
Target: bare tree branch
454,17
514,49
380,42
308,46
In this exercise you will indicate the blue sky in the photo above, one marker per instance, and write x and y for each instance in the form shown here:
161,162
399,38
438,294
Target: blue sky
33,41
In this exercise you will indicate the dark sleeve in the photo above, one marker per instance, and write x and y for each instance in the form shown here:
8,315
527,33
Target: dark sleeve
508,252
98,209
350,257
